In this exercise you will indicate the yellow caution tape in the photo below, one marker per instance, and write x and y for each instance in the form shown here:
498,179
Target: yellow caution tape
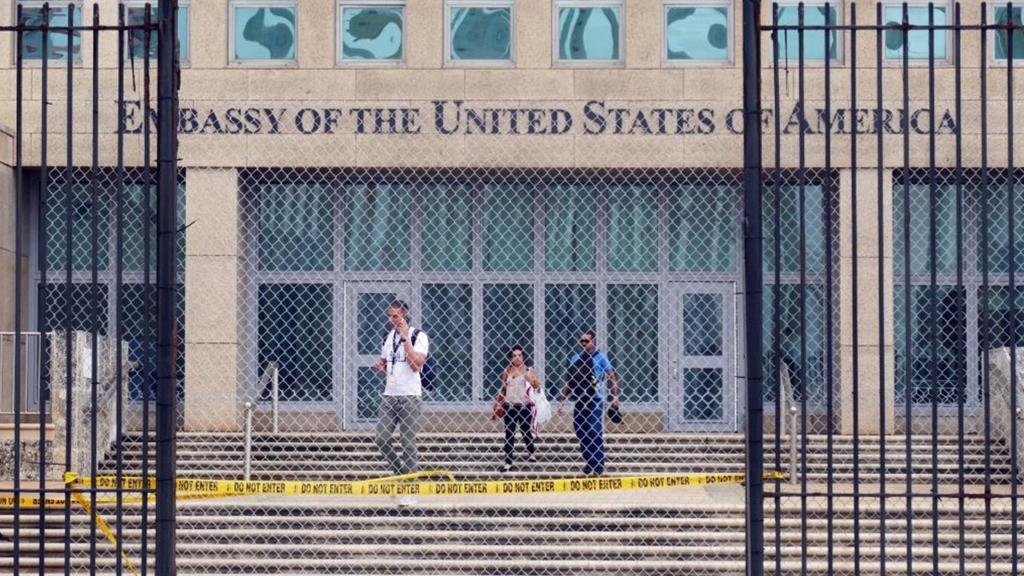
104,527
200,488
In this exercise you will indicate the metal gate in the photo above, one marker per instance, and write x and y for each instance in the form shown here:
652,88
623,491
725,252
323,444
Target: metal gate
91,349
912,111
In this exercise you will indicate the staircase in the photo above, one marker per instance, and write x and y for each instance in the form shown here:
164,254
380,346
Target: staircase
658,532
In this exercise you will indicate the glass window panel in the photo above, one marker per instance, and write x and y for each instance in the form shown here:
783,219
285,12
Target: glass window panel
448,229
570,228
295,330
1002,37
265,33
790,226
480,33
448,320
920,229
998,237
789,337
950,358
569,310
138,301
368,390
917,40
813,40
702,325
632,229
589,33
508,228
372,33
703,393
136,44
81,225
371,326
135,231
508,320
57,41
633,339
295,223
377,228
703,228
697,33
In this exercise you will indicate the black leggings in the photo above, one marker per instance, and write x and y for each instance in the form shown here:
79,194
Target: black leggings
521,416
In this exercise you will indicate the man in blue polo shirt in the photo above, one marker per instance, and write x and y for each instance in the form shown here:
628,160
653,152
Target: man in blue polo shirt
588,393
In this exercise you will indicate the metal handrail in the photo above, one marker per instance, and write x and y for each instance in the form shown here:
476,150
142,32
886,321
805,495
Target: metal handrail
272,373
792,410
247,461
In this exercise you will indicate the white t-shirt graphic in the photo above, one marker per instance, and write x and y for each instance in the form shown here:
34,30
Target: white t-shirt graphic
401,380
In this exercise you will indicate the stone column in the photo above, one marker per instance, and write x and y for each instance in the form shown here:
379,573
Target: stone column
211,301
870,355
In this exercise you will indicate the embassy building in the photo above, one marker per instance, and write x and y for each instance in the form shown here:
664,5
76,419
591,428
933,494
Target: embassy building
520,171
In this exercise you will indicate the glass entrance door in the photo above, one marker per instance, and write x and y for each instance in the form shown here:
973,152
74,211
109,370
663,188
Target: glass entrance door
703,386
366,327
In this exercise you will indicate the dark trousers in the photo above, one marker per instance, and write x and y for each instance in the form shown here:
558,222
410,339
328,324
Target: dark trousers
518,416
587,420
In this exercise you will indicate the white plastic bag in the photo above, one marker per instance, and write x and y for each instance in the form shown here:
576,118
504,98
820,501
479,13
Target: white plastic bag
541,408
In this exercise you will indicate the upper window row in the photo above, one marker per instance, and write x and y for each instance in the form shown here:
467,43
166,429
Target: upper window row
482,32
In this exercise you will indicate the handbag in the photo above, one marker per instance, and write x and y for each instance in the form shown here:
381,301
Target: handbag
498,410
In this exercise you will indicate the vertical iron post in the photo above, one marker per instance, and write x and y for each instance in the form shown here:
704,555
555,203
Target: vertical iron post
166,421
753,283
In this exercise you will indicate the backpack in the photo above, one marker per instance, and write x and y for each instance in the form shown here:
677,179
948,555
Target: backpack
581,380
427,370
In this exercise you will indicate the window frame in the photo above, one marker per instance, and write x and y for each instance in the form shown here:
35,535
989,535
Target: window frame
185,5
730,59
339,33
268,63
992,35
948,59
37,62
450,62
840,59
558,62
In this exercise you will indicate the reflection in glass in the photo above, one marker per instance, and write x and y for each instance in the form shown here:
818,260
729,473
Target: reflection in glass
1002,40
589,33
633,339
372,33
697,33
57,40
295,331
448,321
813,40
702,325
916,40
136,45
265,33
481,33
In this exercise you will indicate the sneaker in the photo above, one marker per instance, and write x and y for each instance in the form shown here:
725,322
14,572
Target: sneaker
406,501
533,457
587,471
506,467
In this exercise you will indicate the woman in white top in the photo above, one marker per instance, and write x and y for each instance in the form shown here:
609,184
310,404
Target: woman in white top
514,404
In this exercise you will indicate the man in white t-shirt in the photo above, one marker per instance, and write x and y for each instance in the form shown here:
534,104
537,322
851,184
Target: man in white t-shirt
401,359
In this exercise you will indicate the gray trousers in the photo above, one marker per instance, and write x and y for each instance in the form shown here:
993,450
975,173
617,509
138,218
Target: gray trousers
403,413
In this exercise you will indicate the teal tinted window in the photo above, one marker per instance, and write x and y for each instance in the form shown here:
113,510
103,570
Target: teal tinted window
1002,40
697,33
447,234
377,231
508,318
448,320
569,310
632,341
302,350
632,229
295,228
790,225
265,33
508,228
916,42
590,33
805,372
570,228
920,228
703,228
136,43
57,40
480,33
813,40
372,33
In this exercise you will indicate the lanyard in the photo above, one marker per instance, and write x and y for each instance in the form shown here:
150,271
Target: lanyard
395,344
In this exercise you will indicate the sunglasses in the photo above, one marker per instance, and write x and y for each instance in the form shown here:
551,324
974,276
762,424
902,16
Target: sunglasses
584,341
